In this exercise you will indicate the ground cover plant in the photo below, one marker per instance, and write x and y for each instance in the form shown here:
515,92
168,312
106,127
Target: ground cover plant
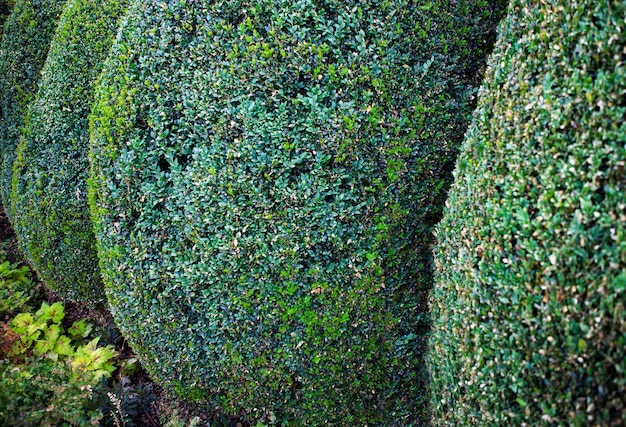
47,370
58,367
49,195
47,374
265,179
27,35
16,288
530,327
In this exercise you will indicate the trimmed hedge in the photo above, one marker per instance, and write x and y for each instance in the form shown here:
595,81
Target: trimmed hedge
530,323
265,179
51,212
28,32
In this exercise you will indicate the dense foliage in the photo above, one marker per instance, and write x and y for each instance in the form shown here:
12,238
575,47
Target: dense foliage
49,198
45,393
265,179
28,32
16,287
5,9
529,304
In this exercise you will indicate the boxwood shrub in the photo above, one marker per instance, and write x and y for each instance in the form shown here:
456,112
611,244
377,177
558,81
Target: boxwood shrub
265,179
28,32
51,213
529,300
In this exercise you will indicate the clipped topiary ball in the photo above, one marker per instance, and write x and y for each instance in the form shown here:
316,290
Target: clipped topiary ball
265,179
530,326
51,212
23,51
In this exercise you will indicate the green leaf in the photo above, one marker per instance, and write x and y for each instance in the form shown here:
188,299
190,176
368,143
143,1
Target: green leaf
80,329
41,348
55,312
21,322
63,346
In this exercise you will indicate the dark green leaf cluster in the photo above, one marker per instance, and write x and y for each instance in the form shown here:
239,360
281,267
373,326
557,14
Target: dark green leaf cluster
49,198
5,10
43,392
529,302
24,48
265,179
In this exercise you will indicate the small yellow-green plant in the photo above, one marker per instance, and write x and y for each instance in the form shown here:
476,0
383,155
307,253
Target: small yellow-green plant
54,374
48,374
16,288
42,334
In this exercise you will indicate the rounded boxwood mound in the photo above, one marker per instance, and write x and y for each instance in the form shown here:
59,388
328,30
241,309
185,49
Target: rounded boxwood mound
49,199
530,326
265,178
28,32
